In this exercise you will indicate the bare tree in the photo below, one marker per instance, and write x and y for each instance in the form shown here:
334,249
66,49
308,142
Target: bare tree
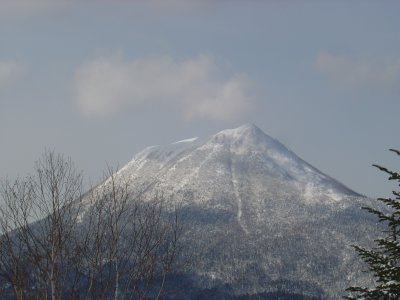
134,241
38,219
55,243
14,265
111,243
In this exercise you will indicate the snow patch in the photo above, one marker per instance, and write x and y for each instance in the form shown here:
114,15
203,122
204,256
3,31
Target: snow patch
186,140
239,200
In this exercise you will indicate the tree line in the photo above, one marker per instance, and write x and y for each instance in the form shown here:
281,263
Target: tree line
58,242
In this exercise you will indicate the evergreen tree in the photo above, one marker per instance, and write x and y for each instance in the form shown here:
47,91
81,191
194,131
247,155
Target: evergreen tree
384,258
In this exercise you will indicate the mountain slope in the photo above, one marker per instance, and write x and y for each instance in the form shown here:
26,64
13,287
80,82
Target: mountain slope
258,219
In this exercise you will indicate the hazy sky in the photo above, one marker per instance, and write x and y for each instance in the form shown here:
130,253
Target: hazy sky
101,80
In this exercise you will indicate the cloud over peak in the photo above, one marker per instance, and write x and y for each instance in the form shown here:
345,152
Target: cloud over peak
105,86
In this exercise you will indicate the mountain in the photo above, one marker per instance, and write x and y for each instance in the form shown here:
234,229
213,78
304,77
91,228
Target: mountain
259,221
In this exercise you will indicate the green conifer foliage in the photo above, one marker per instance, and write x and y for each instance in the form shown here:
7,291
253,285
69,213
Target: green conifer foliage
383,259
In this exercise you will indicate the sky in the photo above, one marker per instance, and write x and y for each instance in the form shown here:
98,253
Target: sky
100,80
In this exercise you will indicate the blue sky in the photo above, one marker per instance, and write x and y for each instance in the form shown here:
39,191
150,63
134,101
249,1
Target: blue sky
101,80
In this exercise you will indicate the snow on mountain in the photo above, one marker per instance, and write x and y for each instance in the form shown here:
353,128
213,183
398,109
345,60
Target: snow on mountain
244,151
261,218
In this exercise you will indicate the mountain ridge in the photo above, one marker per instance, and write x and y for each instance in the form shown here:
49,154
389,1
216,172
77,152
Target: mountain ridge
261,219
247,139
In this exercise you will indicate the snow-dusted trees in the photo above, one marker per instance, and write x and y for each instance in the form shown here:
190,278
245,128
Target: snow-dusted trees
57,243
384,259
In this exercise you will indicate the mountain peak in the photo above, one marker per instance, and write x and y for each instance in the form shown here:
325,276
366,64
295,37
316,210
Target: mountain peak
245,129
250,137
248,127
242,152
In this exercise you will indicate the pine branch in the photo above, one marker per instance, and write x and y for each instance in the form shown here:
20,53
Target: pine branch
395,151
393,175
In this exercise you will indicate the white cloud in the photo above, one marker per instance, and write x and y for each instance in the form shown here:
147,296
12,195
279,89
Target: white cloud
350,73
10,71
105,86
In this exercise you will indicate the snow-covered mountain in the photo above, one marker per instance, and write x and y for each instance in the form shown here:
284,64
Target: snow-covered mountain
234,155
258,219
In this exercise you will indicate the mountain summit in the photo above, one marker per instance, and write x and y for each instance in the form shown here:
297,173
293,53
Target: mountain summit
262,220
244,153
